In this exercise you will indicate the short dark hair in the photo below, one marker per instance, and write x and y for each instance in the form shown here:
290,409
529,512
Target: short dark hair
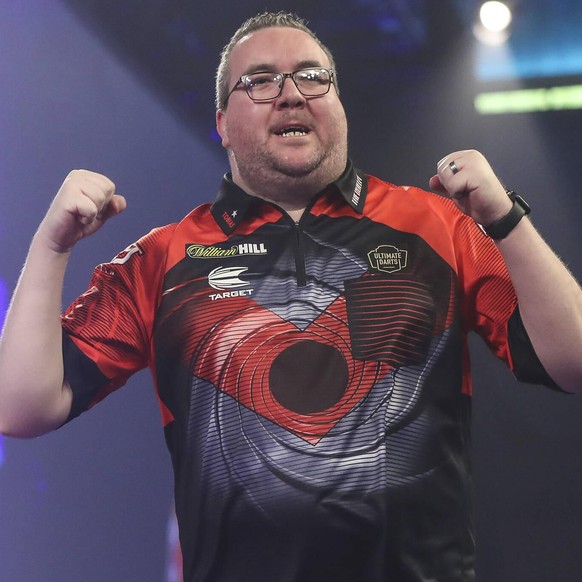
263,20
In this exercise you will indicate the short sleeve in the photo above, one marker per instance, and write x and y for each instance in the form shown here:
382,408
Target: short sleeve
107,330
489,304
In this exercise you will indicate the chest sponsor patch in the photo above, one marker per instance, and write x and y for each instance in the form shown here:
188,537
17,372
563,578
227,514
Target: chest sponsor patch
388,258
196,251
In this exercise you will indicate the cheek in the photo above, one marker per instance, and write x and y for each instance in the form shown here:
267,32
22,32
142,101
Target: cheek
238,125
235,133
337,124
244,131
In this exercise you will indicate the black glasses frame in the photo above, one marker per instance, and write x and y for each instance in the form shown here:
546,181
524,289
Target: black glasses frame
244,79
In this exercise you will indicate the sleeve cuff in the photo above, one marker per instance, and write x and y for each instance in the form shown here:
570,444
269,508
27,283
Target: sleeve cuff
526,364
84,377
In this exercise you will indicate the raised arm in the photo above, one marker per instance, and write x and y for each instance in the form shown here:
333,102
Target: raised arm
550,299
34,395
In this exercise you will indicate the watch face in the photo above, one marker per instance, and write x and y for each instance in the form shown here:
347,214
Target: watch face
517,199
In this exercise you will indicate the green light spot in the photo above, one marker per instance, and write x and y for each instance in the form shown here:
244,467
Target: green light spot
529,100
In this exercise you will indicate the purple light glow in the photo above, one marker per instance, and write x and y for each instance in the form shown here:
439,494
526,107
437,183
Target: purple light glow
3,307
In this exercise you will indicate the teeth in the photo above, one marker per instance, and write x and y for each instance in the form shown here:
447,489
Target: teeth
293,132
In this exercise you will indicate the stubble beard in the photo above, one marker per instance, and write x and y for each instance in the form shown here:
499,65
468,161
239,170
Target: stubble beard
281,180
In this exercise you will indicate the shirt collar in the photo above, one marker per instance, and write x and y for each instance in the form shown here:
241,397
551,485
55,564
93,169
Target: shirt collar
232,203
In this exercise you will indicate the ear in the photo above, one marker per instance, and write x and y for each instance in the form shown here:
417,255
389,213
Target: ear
221,127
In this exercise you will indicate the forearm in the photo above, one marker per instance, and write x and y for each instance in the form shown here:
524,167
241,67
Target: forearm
550,303
33,398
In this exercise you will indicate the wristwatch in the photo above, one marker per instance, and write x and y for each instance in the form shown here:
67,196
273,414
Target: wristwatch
501,228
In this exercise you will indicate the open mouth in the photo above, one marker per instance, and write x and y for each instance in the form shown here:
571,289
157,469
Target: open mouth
293,131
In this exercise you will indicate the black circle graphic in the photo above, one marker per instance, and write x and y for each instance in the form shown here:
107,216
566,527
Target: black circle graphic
309,377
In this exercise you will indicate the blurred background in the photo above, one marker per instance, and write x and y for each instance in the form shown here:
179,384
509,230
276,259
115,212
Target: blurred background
126,88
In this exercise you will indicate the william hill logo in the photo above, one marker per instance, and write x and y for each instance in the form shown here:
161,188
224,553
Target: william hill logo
388,259
195,251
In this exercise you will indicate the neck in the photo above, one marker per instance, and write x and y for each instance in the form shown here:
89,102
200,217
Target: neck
293,203
292,193
296,214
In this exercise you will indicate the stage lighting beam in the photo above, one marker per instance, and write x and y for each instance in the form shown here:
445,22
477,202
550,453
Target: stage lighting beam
495,16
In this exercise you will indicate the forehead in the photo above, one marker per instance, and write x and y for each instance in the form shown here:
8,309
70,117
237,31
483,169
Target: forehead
278,48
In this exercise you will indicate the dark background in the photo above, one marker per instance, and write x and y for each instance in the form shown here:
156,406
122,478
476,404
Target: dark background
126,88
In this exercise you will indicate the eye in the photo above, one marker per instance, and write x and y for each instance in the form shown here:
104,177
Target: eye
312,76
258,80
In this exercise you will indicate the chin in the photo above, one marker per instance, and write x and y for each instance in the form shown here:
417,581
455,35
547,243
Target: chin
298,167
299,171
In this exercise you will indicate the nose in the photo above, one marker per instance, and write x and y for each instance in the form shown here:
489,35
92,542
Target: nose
290,95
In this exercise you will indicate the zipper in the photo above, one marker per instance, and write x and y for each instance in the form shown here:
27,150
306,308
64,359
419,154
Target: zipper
298,249
299,256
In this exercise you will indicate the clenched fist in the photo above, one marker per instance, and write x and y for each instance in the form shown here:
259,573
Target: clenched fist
82,205
467,178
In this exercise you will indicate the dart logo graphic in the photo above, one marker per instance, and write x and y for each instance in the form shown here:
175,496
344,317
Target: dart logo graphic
223,278
228,279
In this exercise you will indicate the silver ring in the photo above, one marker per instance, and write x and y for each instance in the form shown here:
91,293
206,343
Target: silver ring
453,167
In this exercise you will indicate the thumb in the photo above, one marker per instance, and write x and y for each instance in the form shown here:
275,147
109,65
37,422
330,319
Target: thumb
435,184
117,204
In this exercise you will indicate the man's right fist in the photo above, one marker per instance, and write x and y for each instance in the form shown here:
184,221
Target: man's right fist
82,205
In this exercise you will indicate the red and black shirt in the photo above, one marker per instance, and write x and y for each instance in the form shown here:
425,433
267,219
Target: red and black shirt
313,378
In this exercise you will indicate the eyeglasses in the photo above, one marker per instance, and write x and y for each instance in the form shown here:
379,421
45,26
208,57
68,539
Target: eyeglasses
266,85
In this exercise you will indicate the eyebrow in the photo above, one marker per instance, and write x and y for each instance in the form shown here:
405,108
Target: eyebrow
260,67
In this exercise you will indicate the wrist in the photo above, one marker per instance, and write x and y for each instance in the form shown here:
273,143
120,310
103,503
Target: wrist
44,245
501,227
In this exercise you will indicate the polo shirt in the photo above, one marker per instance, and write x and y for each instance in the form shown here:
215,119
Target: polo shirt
313,377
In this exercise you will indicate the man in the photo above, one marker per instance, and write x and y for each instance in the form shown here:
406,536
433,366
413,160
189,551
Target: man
306,333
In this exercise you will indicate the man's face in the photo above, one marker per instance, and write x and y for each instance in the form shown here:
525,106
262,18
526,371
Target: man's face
263,158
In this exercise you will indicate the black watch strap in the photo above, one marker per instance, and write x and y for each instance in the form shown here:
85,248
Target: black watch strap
501,228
